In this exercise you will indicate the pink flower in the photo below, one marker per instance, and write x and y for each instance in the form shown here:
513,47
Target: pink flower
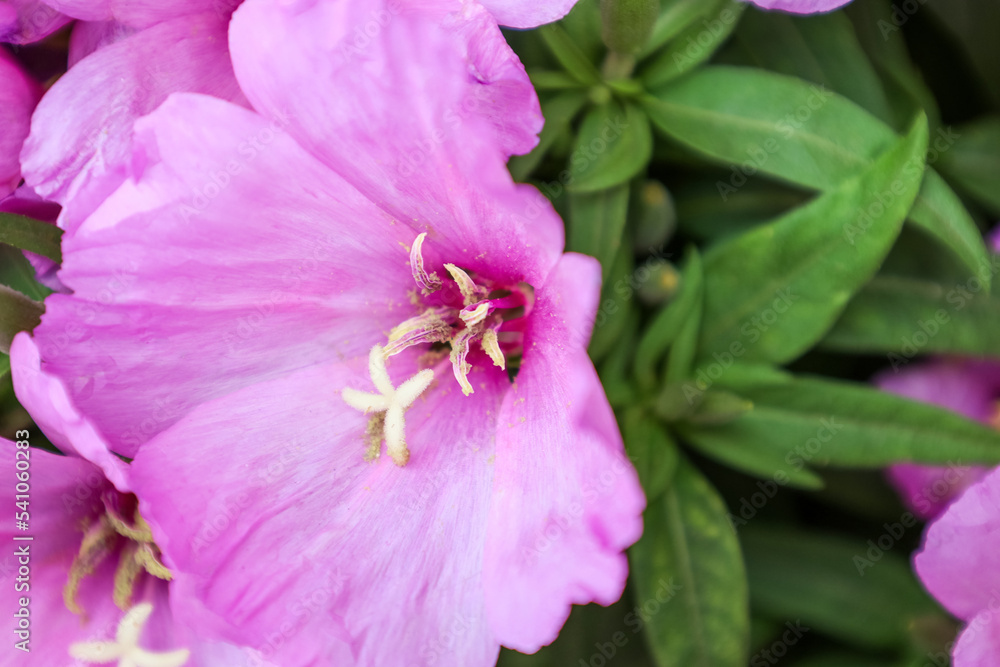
122,68
19,94
801,6
26,21
92,569
232,301
127,58
958,565
969,388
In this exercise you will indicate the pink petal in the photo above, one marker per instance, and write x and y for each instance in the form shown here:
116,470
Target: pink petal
26,21
81,134
364,111
965,387
567,501
801,6
527,13
64,490
45,397
300,520
188,281
18,96
89,36
958,560
141,13
979,643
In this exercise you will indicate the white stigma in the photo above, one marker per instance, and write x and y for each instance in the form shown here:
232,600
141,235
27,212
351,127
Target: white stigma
125,649
393,401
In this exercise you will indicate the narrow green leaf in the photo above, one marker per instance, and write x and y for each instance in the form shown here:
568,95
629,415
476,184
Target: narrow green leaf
27,233
684,350
652,451
568,54
821,49
695,44
836,586
747,457
596,223
17,313
613,369
666,326
973,163
548,80
559,112
773,292
906,317
810,421
688,562
801,133
675,16
613,145
615,308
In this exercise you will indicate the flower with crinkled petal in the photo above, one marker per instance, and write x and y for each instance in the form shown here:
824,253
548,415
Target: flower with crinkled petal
801,6
958,565
336,331
99,591
968,387
127,57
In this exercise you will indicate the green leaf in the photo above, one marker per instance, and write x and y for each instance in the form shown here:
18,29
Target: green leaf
909,316
836,586
596,223
675,16
771,293
748,457
695,44
559,112
690,553
973,163
811,421
27,233
652,451
821,49
613,370
568,54
548,80
615,308
800,133
17,313
667,325
613,145
17,273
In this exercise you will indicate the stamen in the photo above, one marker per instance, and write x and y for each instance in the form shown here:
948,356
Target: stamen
471,292
492,347
461,368
474,315
428,327
125,576
98,542
427,282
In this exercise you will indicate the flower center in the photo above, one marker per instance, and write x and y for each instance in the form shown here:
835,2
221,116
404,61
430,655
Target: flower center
119,529
457,313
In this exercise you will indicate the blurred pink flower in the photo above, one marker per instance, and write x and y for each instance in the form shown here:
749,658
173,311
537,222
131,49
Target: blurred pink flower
801,6
958,565
968,387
